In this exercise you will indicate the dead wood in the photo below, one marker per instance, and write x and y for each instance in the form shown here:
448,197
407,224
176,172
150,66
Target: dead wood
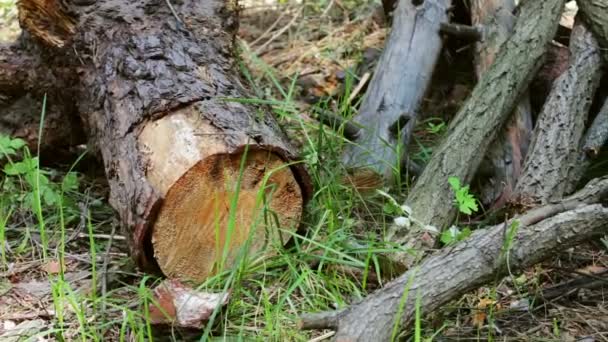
184,163
556,144
478,122
503,162
595,14
465,32
597,134
397,89
474,262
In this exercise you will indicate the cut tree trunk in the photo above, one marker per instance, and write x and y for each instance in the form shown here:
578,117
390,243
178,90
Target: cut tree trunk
477,123
391,103
503,162
474,262
194,176
556,144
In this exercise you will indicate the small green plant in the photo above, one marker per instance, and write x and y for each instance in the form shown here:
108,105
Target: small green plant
467,204
454,234
38,181
436,128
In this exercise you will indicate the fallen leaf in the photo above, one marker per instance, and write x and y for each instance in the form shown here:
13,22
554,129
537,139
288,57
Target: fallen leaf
178,304
480,315
52,267
592,269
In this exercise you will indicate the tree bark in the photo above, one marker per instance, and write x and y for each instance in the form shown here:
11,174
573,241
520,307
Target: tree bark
474,262
390,107
597,134
502,164
477,123
194,176
556,145
595,14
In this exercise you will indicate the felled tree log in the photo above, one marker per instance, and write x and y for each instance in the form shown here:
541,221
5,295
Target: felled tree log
556,143
477,123
474,262
194,176
390,107
503,162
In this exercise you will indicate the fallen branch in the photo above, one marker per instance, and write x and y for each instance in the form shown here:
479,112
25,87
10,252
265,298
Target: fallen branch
597,135
555,148
466,32
474,262
595,14
397,88
481,117
503,162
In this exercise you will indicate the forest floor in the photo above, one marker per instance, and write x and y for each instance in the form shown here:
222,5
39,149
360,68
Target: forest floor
65,273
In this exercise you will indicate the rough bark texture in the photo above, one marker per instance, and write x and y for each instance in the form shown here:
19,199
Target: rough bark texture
480,119
556,144
597,135
595,14
503,162
151,86
474,262
388,112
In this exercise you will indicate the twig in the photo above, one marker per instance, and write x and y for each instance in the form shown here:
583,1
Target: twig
329,6
470,33
323,337
104,268
267,32
360,85
351,130
259,50
179,20
103,236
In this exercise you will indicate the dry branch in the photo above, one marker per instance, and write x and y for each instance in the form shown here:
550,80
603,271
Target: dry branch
595,14
597,134
397,88
556,144
476,261
503,162
479,120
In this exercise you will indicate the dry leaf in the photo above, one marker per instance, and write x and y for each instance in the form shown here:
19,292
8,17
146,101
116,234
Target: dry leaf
592,269
52,267
480,315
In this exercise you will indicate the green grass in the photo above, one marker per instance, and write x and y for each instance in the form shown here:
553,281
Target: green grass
327,266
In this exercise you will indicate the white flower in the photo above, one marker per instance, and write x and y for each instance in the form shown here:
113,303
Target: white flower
454,231
431,229
407,209
403,222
